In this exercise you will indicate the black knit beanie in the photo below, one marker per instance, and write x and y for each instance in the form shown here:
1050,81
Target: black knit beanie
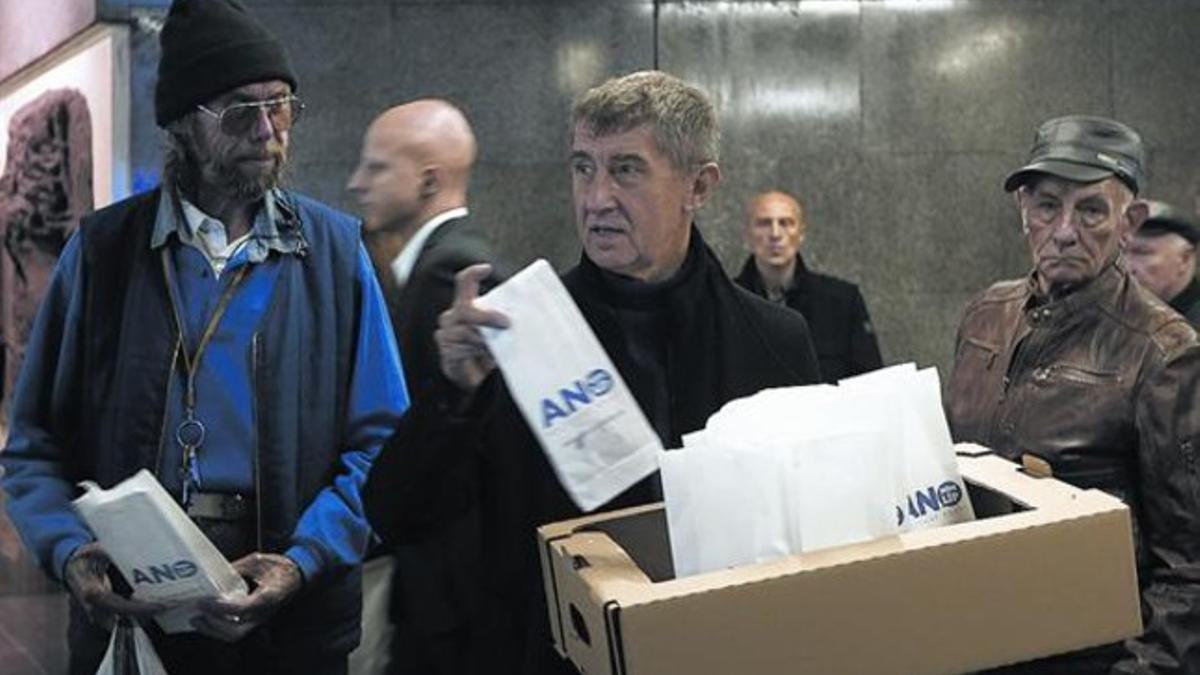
210,47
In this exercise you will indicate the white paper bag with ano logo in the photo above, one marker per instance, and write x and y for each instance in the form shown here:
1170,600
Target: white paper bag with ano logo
158,549
578,406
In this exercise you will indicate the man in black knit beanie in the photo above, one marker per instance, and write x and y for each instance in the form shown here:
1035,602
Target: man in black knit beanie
230,337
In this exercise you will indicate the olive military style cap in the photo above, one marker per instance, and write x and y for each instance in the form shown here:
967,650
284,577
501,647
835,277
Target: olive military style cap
1165,218
1084,149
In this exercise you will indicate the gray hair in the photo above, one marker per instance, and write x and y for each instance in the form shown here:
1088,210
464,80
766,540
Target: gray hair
179,164
682,118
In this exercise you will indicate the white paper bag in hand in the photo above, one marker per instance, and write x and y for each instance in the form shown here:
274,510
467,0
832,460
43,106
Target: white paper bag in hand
578,406
130,652
158,549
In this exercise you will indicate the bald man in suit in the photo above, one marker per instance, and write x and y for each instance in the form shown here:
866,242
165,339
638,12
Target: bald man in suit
411,187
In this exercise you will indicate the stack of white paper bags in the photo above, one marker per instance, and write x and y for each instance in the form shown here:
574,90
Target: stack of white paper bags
801,468
157,548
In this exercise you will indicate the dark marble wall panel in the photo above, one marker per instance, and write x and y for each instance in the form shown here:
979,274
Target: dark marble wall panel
1156,78
29,29
786,87
908,331
974,74
343,61
1174,176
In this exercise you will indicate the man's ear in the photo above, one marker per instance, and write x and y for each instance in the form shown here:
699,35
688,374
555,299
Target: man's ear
1135,214
704,183
431,181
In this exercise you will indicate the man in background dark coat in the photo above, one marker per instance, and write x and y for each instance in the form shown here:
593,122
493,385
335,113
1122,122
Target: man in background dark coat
411,187
837,316
1162,256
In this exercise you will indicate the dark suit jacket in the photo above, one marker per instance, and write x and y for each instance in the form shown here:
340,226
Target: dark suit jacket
837,318
1187,303
428,292
432,600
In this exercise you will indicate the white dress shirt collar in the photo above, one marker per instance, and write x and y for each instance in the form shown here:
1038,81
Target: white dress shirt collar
402,266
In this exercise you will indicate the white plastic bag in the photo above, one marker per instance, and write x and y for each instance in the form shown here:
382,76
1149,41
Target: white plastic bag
578,406
130,652
158,549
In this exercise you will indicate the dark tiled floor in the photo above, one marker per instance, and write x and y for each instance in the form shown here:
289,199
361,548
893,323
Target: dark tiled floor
33,634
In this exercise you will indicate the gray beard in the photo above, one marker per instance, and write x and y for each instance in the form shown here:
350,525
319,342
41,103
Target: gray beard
232,182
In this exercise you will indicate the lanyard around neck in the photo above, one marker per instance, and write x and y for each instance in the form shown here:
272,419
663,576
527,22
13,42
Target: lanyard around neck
191,360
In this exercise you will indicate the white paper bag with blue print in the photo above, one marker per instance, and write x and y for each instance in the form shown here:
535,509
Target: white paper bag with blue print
578,406
159,550
933,491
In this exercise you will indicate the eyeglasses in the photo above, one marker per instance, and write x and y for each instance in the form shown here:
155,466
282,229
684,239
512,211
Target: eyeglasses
239,118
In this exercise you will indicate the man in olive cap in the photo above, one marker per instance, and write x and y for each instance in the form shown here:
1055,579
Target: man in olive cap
229,336
1162,256
1079,369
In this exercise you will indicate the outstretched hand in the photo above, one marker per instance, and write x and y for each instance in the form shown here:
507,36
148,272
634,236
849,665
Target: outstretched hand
464,355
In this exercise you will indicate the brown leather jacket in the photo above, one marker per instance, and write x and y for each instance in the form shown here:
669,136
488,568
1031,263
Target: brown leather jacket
1103,384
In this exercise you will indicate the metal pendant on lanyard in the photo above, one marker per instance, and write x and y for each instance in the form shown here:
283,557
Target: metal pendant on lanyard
191,431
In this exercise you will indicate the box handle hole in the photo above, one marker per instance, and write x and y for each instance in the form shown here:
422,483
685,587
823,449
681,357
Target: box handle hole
580,626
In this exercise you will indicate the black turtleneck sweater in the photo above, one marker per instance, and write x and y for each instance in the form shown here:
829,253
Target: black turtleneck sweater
642,317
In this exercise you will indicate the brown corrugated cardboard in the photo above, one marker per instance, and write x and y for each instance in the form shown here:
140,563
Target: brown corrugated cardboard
1047,568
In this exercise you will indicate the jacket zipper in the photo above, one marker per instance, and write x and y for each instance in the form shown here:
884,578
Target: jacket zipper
1004,413
254,359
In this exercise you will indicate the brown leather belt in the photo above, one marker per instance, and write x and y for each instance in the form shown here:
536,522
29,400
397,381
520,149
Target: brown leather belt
220,506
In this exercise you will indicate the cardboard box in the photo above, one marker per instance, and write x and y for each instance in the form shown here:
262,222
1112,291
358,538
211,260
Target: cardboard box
1047,568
